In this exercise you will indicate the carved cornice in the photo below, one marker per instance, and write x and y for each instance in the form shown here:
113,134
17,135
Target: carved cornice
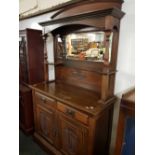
115,12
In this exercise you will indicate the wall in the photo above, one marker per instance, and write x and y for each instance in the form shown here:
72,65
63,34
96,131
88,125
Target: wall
126,53
27,7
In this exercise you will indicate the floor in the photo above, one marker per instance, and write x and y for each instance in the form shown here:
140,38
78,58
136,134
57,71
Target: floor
28,147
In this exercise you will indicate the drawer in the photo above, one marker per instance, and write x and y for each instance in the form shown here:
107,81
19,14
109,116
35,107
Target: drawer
73,113
45,101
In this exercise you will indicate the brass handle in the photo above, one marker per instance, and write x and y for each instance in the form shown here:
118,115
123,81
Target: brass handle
70,112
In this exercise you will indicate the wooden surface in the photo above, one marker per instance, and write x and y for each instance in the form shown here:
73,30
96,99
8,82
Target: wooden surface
67,125
32,60
95,76
82,99
31,71
77,107
86,15
26,109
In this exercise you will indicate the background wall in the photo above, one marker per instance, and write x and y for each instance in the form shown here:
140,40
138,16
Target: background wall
125,78
27,7
126,52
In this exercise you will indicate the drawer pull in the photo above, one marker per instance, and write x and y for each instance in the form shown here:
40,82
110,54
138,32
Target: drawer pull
70,112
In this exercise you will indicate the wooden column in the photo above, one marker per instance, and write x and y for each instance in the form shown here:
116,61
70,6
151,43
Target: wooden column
107,45
45,59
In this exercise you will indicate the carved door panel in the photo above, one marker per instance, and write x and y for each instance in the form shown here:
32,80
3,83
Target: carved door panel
46,126
73,138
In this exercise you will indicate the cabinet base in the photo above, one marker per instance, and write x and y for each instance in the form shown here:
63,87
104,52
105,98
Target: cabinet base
46,146
27,131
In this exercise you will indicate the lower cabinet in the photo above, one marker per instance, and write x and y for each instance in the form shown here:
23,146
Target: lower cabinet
45,123
26,119
61,131
73,137
64,130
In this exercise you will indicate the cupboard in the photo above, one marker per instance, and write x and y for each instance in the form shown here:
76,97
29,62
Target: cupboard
31,70
70,127
73,113
31,56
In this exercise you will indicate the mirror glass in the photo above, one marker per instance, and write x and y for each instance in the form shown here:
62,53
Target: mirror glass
89,46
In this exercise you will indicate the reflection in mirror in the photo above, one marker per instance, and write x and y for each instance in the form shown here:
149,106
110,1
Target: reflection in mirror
60,47
89,46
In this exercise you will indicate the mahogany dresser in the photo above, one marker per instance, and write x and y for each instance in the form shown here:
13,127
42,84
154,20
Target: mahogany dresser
31,70
73,113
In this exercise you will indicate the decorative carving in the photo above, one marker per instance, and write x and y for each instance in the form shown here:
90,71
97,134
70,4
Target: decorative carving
43,124
71,141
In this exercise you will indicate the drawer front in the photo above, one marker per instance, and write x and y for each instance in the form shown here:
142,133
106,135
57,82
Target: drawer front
73,113
45,101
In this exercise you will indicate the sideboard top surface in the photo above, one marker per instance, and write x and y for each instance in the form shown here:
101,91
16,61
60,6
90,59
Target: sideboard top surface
79,98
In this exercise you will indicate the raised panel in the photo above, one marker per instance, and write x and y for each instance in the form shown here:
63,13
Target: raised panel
46,123
79,77
73,138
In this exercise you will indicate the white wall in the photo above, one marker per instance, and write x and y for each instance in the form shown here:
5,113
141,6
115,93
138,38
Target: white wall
125,77
27,7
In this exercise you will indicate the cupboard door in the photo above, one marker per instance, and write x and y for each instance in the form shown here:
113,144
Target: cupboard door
46,123
73,138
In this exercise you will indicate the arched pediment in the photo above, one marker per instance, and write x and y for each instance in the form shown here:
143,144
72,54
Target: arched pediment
80,8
